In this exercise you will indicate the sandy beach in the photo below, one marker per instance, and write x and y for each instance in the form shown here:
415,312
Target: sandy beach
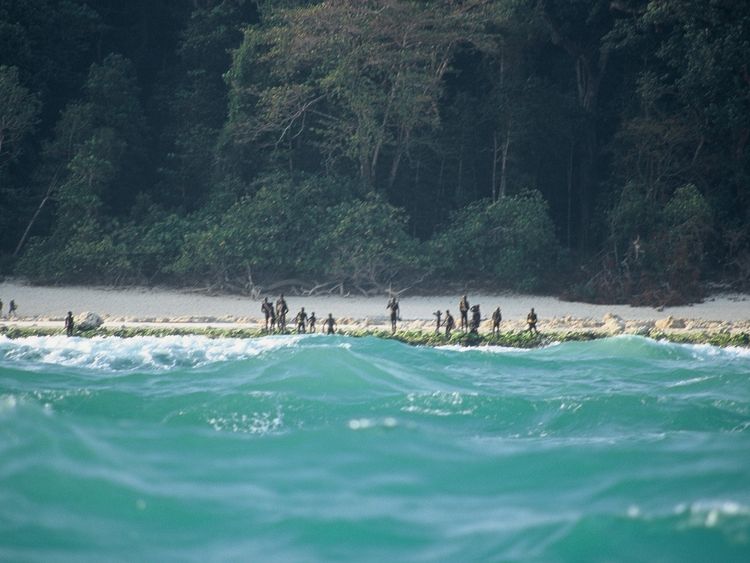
42,306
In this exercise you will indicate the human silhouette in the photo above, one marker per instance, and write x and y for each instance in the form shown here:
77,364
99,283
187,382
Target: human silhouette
463,308
531,320
281,311
476,318
497,316
449,323
301,320
311,322
395,310
267,308
329,323
437,315
69,324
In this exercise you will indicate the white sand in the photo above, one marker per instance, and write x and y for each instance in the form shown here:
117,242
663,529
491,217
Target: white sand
139,305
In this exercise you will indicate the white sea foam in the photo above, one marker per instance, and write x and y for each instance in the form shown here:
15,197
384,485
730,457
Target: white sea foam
365,423
143,352
260,423
709,514
706,351
438,403
484,349
691,381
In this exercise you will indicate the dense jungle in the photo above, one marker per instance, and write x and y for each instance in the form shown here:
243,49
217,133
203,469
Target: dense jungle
595,149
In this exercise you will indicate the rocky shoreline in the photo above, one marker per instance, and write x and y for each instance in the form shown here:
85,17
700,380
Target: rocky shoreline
416,332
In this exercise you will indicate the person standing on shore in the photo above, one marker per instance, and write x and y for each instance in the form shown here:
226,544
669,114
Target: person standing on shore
531,320
463,308
476,318
449,323
267,310
395,310
1,308
437,314
497,316
329,323
301,320
311,322
281,311
69,324
12,308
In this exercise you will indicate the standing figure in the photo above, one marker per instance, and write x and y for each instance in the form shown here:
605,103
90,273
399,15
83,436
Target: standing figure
531,320
437,315
497,316
12,308
281,311
267,308
463,307
476,318
329,323
273,318
449,323
1,308
311,322
395,310
69,324
301,320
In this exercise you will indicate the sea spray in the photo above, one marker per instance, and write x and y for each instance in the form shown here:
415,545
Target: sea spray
335,448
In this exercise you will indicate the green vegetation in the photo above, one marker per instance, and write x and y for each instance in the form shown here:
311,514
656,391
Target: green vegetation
592,148
509,339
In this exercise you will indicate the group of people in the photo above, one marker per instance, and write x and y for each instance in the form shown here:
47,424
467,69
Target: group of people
12,308
276,318
472,325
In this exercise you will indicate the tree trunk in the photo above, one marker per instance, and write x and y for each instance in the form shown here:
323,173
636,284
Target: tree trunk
459,187
587,182
495,150
504,164
570,191
34,217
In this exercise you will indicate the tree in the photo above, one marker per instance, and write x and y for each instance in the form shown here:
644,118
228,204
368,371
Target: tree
366,244
264,236
509,243
588,31
19,113
96,157
358,83
195,102
690,122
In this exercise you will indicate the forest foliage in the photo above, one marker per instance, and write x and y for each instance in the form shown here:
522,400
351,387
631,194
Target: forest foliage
594,148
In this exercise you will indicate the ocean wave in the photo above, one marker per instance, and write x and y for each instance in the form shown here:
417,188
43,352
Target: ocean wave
137,353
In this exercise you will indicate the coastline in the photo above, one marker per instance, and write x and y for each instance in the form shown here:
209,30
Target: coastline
720,320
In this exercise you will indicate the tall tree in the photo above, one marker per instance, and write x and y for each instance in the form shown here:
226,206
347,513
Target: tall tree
359,83
18,114
93,164
588,31
194,103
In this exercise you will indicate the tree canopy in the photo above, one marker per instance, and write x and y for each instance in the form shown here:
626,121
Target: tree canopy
233,144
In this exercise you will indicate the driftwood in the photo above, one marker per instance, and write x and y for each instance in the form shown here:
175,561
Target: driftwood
246,285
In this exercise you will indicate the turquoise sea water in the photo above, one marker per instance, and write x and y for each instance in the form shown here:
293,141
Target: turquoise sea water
339,449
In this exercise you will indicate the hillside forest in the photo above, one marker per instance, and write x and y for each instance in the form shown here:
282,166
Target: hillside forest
595,149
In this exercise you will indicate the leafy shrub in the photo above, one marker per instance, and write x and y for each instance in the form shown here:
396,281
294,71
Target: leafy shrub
270,234
509,243
365,242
